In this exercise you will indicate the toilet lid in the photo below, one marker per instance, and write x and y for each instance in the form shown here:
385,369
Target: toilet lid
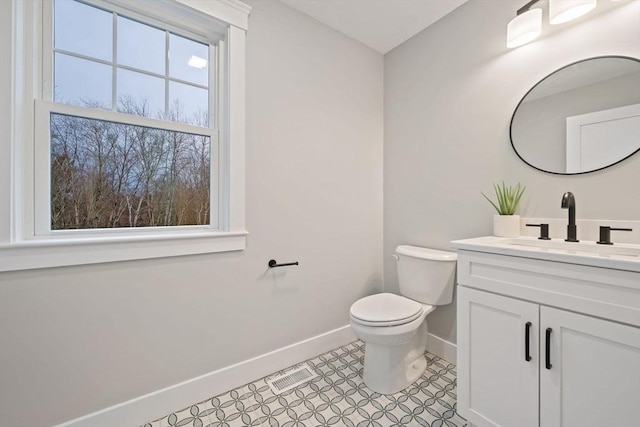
386,309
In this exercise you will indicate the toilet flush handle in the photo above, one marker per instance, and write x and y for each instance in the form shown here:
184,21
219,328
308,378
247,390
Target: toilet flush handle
396,257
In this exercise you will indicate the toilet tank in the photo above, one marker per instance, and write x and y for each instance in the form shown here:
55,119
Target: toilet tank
426,275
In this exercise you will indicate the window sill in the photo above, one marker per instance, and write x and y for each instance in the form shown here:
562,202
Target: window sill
33,254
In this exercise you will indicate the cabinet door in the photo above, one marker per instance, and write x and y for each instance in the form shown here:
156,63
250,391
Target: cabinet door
594,377
497,385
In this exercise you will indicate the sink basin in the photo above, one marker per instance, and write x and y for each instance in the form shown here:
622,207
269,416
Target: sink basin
578,247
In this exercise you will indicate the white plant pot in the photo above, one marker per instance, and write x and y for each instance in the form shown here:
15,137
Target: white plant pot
506,225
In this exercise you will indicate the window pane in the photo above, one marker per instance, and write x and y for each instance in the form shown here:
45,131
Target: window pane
188,104
188,60
81,82
140,94
141,46
83,29
110,175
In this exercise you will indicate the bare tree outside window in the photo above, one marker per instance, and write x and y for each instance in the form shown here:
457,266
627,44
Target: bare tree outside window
109,175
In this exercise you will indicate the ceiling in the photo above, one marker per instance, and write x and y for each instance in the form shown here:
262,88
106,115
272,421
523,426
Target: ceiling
379,24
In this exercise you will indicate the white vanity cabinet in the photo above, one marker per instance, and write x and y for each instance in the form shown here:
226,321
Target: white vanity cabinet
594,376
496,386
547,344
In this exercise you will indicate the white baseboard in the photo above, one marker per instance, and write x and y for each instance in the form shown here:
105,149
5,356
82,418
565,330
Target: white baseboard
442,348
159,403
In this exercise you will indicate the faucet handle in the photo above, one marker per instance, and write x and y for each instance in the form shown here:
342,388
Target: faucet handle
544,230
605,234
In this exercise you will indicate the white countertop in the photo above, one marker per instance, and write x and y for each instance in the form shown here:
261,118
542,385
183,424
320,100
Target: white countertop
582,253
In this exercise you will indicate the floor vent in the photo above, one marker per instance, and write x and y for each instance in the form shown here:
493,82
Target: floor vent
284,382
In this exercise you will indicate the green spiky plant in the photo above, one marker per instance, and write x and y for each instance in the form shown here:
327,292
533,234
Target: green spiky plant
508,198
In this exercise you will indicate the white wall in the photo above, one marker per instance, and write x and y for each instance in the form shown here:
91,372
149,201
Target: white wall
78,339
450,92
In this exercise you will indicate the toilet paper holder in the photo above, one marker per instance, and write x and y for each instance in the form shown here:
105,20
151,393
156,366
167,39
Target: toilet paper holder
273,263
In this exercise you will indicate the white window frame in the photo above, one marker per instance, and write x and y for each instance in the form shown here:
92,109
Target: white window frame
24,132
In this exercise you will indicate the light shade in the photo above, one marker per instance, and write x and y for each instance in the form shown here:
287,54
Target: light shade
561,11
524,28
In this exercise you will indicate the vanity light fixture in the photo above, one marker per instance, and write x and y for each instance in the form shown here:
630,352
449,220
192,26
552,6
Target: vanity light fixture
561,11
527,25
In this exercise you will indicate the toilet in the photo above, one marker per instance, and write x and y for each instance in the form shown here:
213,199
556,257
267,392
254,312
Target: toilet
393,327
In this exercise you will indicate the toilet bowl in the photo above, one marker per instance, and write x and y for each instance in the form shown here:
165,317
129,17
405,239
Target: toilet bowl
393,327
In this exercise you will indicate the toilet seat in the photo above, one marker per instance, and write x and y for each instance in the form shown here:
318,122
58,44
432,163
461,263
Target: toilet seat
385,309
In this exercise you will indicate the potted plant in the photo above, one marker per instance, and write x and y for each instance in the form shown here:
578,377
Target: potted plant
506,223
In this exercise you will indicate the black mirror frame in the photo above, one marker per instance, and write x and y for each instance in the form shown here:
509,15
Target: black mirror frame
536,85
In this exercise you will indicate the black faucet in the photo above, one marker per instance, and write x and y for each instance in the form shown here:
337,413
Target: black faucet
569,202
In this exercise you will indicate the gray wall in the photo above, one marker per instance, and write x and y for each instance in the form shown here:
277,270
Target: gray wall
78,339
450,92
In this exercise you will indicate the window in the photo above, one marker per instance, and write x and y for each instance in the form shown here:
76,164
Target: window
111,175
104,171
133,145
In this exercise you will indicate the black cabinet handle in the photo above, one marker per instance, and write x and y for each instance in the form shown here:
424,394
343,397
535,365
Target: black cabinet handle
547,361
527,354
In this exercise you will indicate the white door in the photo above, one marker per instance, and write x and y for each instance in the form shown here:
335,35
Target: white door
601,138
592,375
497,379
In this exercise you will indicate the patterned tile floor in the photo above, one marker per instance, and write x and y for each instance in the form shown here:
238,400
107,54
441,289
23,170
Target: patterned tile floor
336,397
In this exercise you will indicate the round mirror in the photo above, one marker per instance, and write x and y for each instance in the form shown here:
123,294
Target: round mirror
580,118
